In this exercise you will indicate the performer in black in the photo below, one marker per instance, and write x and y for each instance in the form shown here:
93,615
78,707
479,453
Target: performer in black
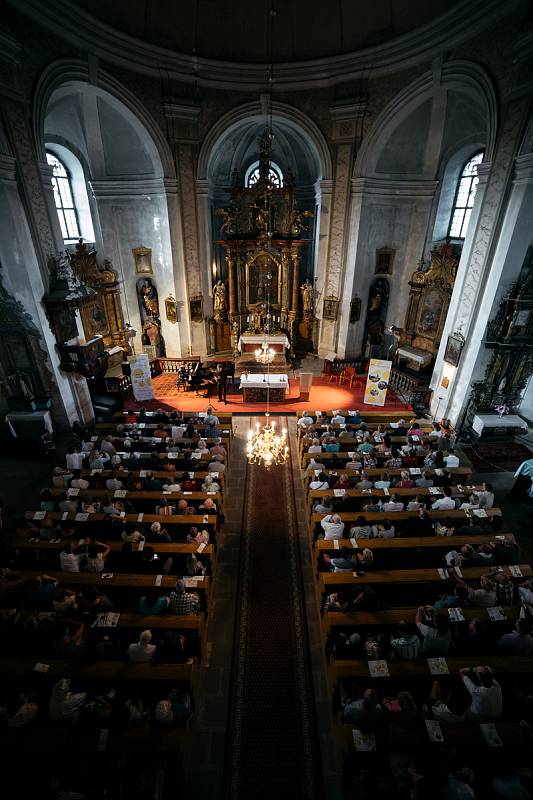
221,377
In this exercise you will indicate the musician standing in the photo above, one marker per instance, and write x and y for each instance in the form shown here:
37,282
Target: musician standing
221,378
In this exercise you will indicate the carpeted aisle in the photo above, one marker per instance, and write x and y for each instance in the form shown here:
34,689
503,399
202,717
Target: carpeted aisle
272,744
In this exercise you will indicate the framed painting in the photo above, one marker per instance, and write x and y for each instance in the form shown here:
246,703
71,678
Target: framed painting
355,309
171,308
143,260
331,307
196,308
384,261
430,314
453,350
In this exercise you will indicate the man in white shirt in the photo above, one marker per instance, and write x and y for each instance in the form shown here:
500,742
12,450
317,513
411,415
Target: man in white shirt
305,420
315,447
112,484
107,446
69,561
314,466
486,693
172,487
216,465
78,482
333,527
177,431
444,503
450,459
74,459
393,504
210,419
142,651
338,419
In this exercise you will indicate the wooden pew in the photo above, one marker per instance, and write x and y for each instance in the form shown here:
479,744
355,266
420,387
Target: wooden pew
466,736
501,665
391,617
99,670
399,576
180,520
411,542
120,580
363,495
133,495
49,741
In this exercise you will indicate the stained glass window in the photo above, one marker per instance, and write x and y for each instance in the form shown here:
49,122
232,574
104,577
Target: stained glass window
66,210
464,198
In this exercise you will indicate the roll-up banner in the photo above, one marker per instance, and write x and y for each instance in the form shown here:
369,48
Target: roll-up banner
377,382
141,379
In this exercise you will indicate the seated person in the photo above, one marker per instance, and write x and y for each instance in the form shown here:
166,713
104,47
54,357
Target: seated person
384,481
362,529
446,502
435,632
485,691
364,713
519,642
405,482
393,504
333,526
385,530
451,708
406,644
153,603
142,651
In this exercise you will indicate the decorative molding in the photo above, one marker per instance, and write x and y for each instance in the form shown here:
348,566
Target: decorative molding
390,188
86,32
7,168
185,163
134,188
523,170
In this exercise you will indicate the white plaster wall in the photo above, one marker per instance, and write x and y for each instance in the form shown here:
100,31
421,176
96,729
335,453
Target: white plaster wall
129,222
386,221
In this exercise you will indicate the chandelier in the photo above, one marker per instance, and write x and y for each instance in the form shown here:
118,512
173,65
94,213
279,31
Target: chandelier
266,446
265,355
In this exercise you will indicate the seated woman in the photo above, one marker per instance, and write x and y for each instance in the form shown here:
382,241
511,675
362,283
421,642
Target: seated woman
405,482
362,529
96,557
153,603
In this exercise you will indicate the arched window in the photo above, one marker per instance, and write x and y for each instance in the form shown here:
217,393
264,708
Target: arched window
464,198
66,210
274,173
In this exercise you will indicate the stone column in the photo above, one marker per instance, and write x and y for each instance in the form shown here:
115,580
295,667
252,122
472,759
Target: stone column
230,261
344,136
193,203
295,259
497,220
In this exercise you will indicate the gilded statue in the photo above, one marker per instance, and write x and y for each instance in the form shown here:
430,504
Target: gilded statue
149,298
219,300
307,297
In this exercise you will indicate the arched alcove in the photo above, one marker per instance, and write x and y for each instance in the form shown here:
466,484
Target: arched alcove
125,161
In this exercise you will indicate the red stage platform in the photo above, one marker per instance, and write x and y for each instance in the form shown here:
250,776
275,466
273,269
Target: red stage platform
324,396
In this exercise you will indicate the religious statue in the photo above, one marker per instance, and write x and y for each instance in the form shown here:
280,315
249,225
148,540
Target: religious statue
307,297
149,298
219,300
151,335
231,216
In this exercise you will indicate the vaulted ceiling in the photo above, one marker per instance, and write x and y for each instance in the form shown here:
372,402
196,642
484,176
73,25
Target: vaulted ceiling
237,30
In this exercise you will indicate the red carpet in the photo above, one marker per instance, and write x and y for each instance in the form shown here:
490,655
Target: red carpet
323,396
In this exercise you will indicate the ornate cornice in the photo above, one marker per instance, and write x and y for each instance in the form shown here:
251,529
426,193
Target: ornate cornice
390,188
134,188
110,44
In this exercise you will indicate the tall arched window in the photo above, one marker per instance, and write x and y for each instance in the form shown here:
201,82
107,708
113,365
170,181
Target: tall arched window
66,210
464,198
274,173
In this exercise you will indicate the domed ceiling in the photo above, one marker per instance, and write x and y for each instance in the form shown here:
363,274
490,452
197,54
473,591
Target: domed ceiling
236,30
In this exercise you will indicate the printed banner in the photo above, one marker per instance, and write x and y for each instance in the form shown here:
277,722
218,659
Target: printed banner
377,382
141,380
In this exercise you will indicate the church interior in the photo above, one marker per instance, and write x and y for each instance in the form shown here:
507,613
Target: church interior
266,408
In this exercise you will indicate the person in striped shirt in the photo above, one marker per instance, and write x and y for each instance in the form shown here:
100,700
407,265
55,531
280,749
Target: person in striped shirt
407,644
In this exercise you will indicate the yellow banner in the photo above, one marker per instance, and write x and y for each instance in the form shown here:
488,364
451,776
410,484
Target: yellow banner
377,382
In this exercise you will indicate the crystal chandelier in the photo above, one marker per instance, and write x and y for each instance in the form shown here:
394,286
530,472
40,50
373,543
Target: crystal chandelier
266,446
265,355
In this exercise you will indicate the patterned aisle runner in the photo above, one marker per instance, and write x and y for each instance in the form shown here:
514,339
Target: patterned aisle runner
272,743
